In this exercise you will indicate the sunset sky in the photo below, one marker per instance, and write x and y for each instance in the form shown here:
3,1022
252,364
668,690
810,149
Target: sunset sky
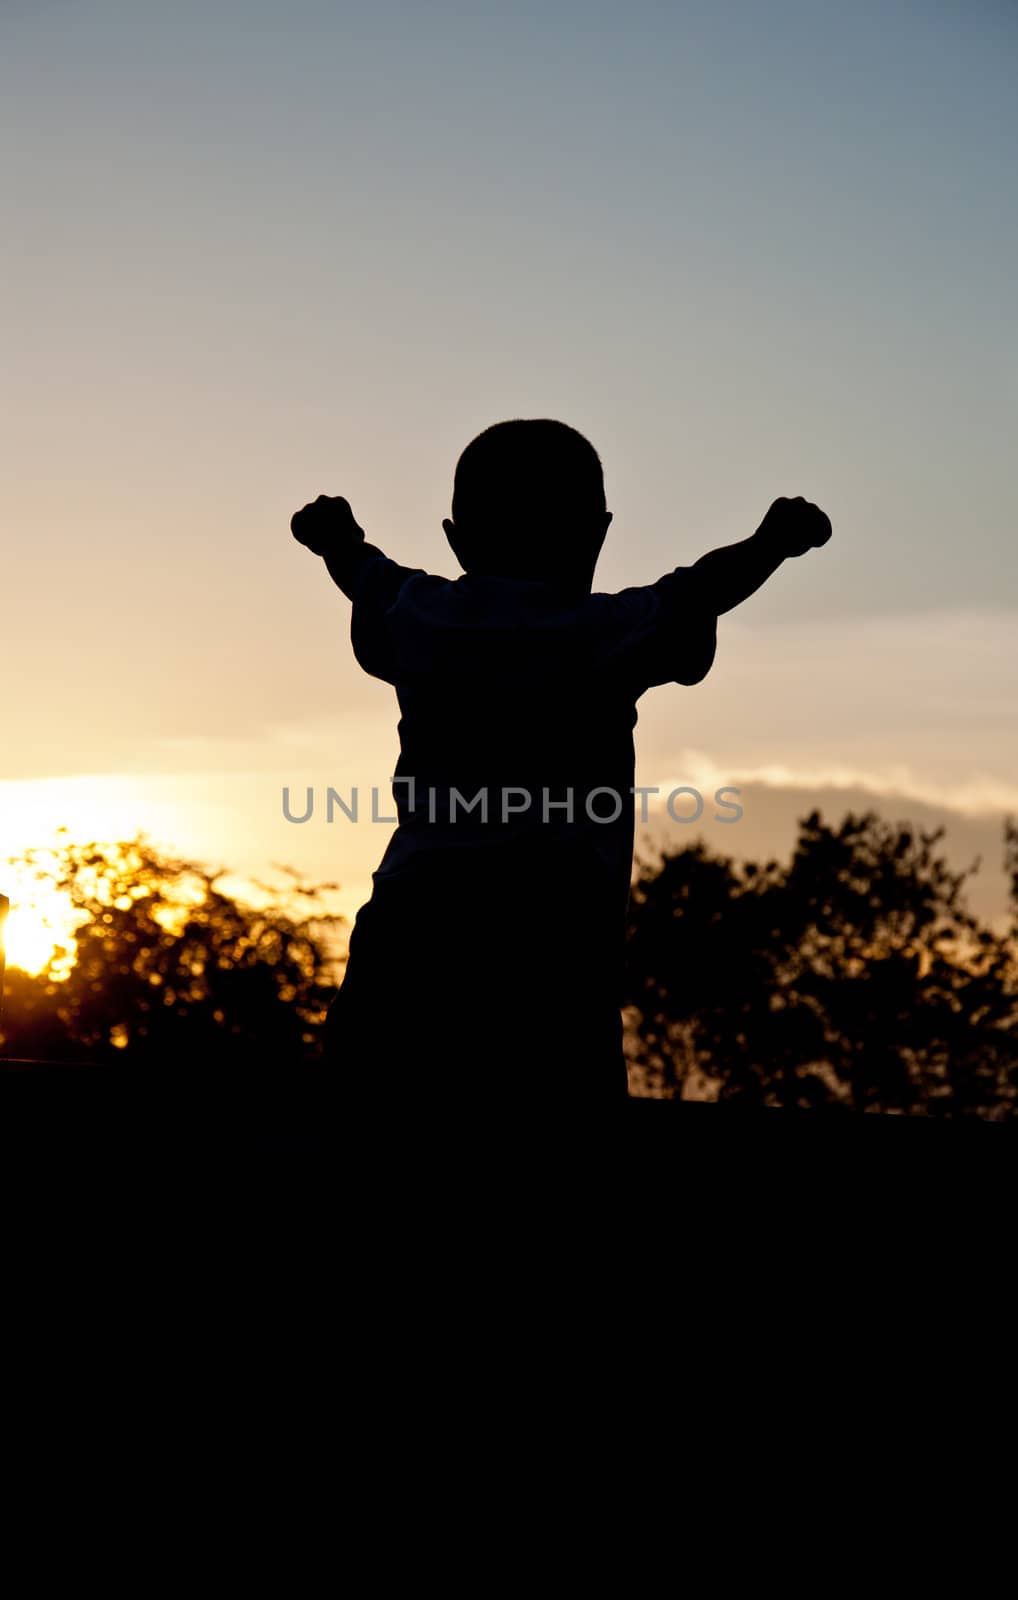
259,251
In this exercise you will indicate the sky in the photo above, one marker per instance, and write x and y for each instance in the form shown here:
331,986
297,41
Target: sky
259,251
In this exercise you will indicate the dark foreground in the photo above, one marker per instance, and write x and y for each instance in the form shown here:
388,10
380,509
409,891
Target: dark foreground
136,1203
86,1125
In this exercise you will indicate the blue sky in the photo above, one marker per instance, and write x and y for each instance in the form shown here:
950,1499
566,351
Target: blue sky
260,251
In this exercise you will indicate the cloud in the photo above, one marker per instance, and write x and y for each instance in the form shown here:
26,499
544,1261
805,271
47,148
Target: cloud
919,706
980,795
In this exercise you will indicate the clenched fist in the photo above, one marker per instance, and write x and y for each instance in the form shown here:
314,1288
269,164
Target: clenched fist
326,526
796,526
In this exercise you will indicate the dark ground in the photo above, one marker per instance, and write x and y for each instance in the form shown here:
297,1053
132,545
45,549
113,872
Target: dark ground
65,1124
690,1250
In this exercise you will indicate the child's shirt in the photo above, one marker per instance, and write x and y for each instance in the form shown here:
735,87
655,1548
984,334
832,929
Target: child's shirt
518,703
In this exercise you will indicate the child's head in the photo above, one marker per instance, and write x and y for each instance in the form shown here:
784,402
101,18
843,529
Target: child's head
528,502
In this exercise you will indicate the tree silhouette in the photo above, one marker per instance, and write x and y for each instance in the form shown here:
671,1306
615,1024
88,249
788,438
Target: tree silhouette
1011,868
170,968
853,976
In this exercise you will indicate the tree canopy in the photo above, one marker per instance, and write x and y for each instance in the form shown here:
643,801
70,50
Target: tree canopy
169,967
854,975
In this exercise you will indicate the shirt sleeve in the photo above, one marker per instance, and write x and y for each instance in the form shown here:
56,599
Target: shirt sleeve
665,632
374,589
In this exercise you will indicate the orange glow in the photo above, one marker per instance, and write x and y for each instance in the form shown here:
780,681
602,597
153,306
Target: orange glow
40,927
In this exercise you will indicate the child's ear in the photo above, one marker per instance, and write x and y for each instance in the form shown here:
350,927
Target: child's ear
456,543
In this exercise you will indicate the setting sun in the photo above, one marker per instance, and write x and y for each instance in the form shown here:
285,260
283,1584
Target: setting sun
39,929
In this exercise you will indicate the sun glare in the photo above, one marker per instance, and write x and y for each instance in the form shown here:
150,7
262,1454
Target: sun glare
40,929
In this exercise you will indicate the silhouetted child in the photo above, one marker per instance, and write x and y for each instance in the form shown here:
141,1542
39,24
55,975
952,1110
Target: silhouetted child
487,963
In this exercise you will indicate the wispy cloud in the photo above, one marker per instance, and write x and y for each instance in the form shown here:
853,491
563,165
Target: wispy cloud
976,796
918,706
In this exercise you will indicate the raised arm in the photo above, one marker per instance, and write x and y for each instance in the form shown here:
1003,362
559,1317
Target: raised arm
327,528
727,577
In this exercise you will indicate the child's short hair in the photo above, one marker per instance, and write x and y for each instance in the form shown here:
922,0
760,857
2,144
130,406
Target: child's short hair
529,482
